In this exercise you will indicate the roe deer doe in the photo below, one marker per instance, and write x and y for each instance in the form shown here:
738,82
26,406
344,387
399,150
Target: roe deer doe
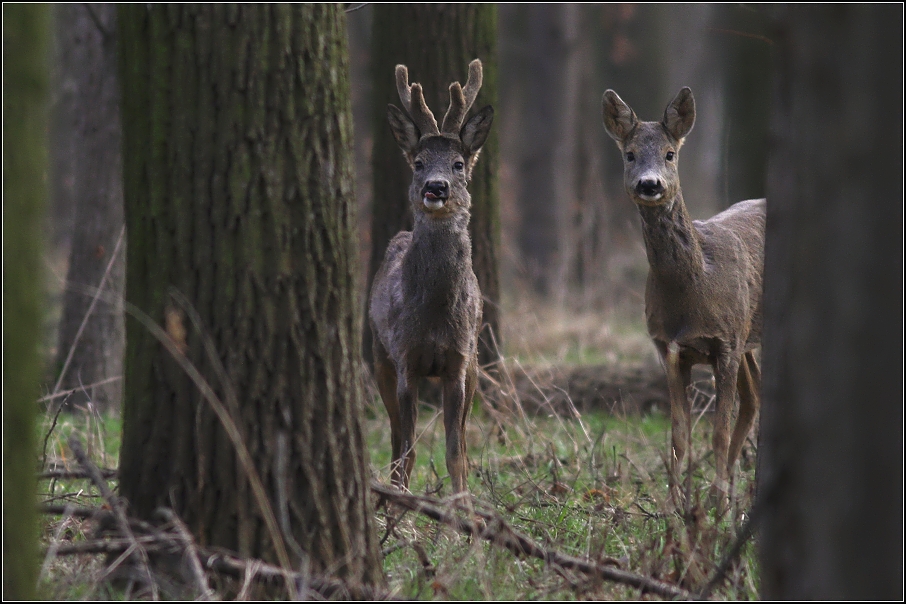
704,289
425,307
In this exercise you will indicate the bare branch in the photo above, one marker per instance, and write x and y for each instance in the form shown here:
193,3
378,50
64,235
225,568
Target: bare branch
497,531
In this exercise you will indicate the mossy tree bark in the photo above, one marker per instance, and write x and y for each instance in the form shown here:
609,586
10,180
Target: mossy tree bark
830,475
239,196
437,42
25,82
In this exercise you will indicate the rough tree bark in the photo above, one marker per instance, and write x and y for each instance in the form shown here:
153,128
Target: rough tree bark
25,36
831,452
89,120
240,198
437,42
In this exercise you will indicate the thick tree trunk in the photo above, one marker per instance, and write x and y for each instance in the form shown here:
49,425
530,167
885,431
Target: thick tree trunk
25,36
437,42
831,451
89,120
238,181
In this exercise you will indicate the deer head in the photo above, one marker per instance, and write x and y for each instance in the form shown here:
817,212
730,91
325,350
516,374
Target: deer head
650,149
441,158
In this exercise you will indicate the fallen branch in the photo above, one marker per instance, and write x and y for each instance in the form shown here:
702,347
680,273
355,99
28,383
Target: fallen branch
497,531
123,524
227,564
105,473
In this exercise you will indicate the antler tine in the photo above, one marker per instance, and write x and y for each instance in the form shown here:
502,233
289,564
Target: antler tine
402,86
462,99
414,103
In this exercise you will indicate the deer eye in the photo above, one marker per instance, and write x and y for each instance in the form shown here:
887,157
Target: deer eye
630,156
458,166
670,155
419,164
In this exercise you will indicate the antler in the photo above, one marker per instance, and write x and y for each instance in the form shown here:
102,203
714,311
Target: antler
461,99
413,100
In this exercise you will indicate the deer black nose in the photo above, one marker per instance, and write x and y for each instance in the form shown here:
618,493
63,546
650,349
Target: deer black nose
649,187
437,188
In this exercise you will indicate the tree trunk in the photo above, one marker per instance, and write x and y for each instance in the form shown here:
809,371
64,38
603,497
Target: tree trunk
741,37
437,42
240,205
25,36
94,352
831,455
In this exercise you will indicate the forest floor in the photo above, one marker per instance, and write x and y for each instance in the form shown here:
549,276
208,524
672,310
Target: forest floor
571,457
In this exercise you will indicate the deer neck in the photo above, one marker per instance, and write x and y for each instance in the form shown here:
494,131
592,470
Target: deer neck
671,241
439,262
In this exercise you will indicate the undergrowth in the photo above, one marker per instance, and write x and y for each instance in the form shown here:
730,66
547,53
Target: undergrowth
593,486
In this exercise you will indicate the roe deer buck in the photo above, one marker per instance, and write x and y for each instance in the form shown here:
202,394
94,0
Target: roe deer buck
426,307
704,289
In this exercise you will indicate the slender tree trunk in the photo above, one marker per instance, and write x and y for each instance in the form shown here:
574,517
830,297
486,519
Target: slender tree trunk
742,38
25,35
831,454
93,352
437,42
240,205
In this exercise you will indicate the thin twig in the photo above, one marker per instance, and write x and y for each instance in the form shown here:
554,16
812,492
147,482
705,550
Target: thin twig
94,302
357,7
55,544
106,474
49,432
201,580
51,397
229,564
76,446
497,531
742,537
226,421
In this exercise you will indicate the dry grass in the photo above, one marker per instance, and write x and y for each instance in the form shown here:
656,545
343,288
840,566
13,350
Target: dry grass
589,485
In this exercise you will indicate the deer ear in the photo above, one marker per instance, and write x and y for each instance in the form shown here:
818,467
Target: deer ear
680,114
404,130
619,118
474,134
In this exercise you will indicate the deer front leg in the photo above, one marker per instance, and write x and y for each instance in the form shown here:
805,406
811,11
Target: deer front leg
407,394
457,400
679,375
748,385
726,370
385,376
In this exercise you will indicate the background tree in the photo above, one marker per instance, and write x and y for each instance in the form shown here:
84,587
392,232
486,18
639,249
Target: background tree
741,33
25,34
238,181
436,42
87,179
831,454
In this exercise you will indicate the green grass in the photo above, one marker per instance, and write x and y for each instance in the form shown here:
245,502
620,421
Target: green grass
592,487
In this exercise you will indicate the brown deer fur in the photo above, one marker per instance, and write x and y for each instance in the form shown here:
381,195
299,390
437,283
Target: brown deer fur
425,307
704,291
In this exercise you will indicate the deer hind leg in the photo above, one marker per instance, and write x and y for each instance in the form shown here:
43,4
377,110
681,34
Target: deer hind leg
748,384
679,375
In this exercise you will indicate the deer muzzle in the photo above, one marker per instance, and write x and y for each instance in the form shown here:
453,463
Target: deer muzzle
649,188
435,194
